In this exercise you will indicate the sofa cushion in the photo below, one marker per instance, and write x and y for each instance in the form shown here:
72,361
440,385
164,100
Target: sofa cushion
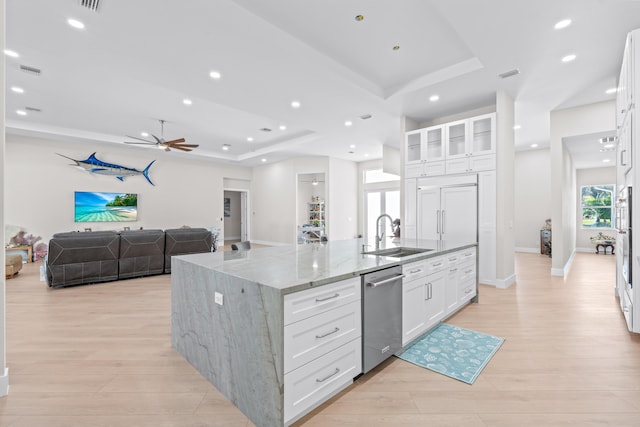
141,253
184,241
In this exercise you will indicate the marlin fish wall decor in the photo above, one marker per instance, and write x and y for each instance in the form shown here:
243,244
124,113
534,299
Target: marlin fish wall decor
92,164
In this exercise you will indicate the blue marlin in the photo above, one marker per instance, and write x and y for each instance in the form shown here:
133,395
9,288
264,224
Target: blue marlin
92,164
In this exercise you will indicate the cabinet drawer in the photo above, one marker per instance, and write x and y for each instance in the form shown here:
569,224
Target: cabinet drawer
413,170
467,271
313,383
304,304
457,165
434,168
467,290
415,270
310,338
482,163
436,264
467,255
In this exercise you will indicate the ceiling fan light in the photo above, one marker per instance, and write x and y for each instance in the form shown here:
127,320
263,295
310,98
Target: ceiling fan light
215,75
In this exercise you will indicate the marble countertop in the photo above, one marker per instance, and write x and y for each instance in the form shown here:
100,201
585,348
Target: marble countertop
293,268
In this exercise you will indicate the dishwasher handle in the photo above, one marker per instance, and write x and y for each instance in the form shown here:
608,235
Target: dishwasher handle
382,282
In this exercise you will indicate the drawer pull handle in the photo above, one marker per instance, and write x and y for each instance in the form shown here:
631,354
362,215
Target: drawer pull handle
453,259
437,264
321,380
468,254
468,291
336,295
417,270
468,271
453,270
328,333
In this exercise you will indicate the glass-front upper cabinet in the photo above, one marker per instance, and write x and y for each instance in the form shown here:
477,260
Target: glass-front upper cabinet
413,147
456,134
434,144
483,134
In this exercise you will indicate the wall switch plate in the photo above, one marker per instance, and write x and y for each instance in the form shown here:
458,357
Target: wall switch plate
218,298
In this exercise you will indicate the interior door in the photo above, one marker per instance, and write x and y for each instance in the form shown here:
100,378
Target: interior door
244,236
429,213
459,216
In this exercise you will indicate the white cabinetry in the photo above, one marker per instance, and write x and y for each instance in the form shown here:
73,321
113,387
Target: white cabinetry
434,289
627,179
410,209
322,344
425,152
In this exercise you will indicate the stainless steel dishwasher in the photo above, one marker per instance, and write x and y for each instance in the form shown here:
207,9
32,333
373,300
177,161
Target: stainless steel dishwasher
381,316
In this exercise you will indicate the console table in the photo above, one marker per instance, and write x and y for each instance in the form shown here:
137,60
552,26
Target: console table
26,252
604,246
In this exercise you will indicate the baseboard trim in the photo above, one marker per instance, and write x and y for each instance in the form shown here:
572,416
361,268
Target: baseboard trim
231,237
4,383
565,270
268,243
506,283
528,250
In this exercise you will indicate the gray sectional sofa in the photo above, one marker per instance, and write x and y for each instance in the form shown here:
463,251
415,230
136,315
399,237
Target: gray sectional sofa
103,256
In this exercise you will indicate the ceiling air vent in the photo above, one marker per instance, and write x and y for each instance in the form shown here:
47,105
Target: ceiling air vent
365,116
265,130
90,4
33,109
509,73
30,70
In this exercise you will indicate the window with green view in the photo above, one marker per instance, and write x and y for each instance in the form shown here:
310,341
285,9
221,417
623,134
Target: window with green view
597,206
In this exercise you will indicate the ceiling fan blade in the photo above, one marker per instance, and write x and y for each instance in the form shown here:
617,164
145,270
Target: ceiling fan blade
139,139
140,143
158,140
184,145
181,148
174,141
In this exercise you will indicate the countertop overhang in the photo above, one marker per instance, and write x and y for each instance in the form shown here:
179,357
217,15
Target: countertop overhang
292,268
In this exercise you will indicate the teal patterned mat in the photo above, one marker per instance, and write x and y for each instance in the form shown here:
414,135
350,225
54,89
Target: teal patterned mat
452,351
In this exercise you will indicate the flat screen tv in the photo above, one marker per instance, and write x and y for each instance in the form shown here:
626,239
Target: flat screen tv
105,207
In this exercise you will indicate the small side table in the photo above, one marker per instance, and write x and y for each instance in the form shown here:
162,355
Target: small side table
604,246
26,252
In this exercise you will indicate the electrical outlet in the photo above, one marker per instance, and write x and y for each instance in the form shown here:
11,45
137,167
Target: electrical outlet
218,298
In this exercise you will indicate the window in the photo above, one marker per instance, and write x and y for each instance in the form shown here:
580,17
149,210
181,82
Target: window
377,203
597,206
377,175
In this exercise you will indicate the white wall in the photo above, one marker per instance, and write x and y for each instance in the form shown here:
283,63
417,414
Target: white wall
273,192
232,222
342,206
505,212
187,191
587,119
591,176
4,376
532,175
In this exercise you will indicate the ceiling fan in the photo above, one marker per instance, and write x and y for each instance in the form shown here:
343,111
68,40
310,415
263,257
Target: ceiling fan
178,144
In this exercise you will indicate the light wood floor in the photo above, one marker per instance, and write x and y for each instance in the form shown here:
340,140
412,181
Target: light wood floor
101,355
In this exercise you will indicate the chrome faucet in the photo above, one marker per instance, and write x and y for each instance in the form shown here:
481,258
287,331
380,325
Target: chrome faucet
378,236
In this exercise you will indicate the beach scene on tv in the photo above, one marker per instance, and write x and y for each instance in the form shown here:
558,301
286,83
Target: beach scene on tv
105,207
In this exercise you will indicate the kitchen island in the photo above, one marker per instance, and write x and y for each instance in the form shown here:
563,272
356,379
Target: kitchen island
239,317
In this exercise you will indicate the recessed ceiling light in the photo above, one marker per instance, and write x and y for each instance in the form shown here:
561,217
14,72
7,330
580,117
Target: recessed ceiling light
516,127
215,75
352,146
75,23
366,155
145,134
434,98
611,90
606,160
562,24
295,104
250,139
283,127
608,145
225,147
569,58
17,89
396,47
21,112
187,101
263,160
348,123
534,145
359,18
11,53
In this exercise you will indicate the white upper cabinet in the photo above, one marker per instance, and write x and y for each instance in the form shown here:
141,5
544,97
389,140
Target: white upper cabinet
413,151
457,138
433,149
483,134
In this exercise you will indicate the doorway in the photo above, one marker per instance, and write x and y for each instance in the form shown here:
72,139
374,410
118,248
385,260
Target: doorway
236,219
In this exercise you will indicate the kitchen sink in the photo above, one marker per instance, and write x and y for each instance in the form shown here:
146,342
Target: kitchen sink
398,252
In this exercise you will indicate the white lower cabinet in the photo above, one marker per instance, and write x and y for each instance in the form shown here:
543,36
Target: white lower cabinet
315,382
322,344
435,288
